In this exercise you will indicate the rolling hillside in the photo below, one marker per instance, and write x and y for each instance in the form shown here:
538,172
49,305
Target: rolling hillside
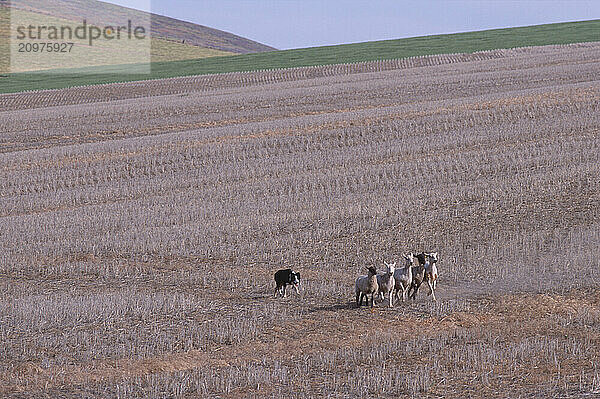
162,27
172,39
468,42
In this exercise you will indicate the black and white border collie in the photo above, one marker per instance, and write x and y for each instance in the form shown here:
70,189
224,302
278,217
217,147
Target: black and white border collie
286,277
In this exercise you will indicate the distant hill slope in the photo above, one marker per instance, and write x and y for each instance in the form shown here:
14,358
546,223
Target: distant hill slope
161,50
468,42
162,27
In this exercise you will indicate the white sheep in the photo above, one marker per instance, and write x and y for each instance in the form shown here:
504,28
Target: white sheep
365,286
404,276
386,282
431,272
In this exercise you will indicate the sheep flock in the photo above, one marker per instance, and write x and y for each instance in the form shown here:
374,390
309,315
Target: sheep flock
394,282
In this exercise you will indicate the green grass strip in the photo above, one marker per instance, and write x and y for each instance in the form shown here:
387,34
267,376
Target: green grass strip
468,42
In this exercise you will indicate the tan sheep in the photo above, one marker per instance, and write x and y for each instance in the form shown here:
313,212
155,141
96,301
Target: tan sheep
365,286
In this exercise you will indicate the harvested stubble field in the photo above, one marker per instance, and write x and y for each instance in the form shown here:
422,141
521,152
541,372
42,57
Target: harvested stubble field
140,234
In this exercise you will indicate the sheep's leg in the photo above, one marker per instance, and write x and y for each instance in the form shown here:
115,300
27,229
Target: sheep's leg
415,291
391,300
284,288
357,299
418,288
431,289
372,300
276,291
426,280
296,287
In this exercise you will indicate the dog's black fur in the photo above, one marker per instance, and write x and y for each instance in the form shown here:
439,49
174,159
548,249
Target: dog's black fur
286,277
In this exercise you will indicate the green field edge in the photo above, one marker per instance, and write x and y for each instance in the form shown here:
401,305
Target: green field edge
467,42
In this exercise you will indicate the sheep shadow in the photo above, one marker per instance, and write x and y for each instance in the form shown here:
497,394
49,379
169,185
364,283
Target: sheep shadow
332,308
